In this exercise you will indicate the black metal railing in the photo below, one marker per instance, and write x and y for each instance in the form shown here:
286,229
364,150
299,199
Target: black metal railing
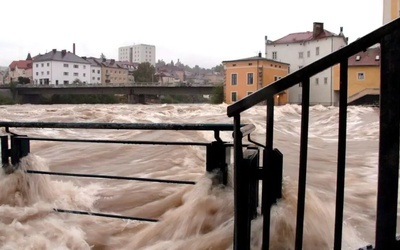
387,199
14,147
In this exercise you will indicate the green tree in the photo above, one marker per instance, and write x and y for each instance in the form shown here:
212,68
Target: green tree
218,68
102,56
217,96
145,73
23,80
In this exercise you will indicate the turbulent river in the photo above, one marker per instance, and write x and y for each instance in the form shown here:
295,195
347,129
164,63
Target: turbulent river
196,216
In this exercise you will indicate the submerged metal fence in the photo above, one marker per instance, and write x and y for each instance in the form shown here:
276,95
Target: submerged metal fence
14,147
388,174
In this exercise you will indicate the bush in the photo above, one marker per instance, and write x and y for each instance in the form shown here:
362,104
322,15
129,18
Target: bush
217,97
5,100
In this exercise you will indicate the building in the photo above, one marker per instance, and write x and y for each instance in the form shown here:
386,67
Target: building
245,76
302,48
112,72
391,10
95,70
364,77
138,53
60,67
21,68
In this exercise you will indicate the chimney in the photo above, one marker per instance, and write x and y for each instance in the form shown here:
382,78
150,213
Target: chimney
259,54
54,51
63,52
112,61
266,42
73,48
318,28
84,57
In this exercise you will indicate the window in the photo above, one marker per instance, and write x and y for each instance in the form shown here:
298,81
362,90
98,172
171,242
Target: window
65,73
249,92
276,78
93,71
308,53
300,67
250,64
300,55
249,78
66,65
37,73
234,96
316,80
233,65
37,65
48,72
66,82
76,74
361,76
98,78
317,51
84,66
76,66
42,64
234,79
56,82
98,71
325,80
48,64
84,74
93,78
274,55
42,73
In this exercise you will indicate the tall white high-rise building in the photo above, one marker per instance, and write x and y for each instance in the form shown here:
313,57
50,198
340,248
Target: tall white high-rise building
391,10
138,53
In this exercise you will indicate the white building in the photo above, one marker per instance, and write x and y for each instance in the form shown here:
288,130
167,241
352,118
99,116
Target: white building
391,10
60,67
302,48
95,70
138,53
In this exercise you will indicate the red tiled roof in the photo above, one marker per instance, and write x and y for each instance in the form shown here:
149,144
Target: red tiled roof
22,64
303,37
371,57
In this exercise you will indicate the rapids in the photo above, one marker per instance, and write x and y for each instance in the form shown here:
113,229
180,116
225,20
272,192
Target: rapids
190,216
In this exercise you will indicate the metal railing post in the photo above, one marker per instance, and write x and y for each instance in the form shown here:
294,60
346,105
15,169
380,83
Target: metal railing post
218,159
388,172
5,153
19,148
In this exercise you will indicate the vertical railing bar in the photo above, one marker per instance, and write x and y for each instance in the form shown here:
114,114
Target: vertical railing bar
303,163
341,162
388,170
266,183
240,211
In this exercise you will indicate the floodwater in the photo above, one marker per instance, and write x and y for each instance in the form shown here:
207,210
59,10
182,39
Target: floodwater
190,216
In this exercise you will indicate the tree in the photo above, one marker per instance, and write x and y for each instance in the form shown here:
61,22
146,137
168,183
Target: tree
23,80
145,73
77,81
217,96
102,56
218,68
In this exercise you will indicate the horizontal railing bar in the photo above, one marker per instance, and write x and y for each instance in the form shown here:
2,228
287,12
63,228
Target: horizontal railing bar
104,215
119,141
110,177
313,68
137,126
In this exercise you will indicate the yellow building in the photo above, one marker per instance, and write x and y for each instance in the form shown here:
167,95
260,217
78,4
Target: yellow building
391,10
245,76
364,74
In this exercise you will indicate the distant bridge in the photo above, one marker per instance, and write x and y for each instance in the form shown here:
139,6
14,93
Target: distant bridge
28,91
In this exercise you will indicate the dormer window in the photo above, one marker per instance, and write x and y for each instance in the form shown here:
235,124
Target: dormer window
377,58
358,58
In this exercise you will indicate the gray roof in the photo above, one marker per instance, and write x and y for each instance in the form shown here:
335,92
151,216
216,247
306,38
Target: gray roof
61,57
93,61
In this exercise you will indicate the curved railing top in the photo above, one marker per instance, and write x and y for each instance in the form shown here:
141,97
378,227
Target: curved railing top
313,68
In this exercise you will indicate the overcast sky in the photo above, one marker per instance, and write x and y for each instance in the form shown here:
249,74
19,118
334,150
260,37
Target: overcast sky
196,32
